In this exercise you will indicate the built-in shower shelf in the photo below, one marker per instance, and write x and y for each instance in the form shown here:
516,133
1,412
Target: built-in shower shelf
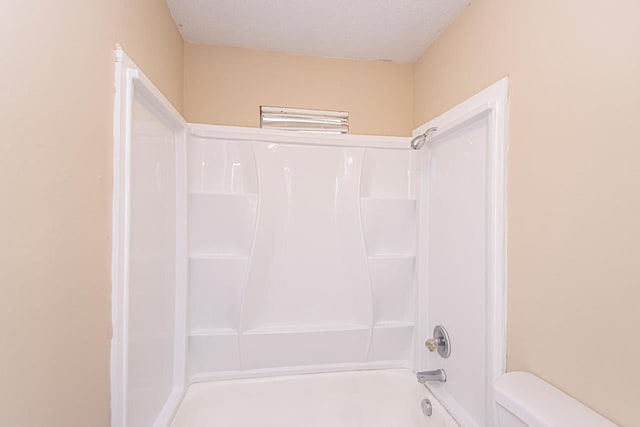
391,340
390,199
213,332
221,257
394,324
222,194
382,257
294,329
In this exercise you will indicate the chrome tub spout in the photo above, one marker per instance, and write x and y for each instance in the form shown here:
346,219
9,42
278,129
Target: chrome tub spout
437,375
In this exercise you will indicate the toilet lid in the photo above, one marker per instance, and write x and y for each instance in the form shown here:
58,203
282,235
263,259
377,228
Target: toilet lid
539,404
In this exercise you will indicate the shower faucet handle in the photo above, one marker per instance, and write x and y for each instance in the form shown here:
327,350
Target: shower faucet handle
431,344
440,342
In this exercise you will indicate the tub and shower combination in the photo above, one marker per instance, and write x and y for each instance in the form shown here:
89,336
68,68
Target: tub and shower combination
377,398
274,278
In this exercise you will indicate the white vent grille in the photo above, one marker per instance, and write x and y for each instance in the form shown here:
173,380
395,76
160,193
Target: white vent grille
301,120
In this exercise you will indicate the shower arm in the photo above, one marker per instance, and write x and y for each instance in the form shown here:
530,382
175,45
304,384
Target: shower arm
419,141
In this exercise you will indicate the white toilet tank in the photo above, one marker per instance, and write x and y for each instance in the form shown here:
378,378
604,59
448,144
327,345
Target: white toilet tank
524,400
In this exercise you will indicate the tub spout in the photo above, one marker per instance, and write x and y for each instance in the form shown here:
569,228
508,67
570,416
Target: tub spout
437,375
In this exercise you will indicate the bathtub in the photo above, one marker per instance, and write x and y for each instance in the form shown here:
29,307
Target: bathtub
389,398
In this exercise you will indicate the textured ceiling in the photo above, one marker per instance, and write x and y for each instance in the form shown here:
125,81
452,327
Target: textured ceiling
397,30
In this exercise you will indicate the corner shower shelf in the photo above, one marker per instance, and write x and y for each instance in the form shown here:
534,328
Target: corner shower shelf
221,194
389,324
294,329
220,257
216,281
391,340
213,332
383,257
390,199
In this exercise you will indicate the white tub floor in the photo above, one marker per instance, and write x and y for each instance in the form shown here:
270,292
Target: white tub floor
389,398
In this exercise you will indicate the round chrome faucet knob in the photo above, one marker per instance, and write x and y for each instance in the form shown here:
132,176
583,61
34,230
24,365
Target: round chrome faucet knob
440,342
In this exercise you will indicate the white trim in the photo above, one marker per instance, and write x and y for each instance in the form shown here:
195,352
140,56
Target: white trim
493,102
182,264
117,225
168,411
233,133
130,84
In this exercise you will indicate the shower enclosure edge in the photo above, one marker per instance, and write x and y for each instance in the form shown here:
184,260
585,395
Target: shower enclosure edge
131,85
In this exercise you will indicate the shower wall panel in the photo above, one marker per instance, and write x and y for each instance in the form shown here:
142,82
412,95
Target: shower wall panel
301,255
152,267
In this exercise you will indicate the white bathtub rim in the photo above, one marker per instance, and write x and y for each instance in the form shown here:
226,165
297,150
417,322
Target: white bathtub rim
298,370
441,411
445,407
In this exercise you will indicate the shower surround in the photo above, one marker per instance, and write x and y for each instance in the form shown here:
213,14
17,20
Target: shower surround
300,254
245,256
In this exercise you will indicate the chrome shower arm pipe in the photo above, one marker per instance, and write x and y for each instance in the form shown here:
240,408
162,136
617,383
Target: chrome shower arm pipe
418,141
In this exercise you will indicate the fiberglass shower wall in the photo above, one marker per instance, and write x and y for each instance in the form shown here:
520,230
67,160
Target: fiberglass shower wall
301,251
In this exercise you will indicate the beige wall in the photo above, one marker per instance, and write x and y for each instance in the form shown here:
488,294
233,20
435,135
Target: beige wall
56,81
226,86
573,184
574,231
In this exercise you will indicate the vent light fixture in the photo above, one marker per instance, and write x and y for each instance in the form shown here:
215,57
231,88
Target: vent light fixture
318,121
